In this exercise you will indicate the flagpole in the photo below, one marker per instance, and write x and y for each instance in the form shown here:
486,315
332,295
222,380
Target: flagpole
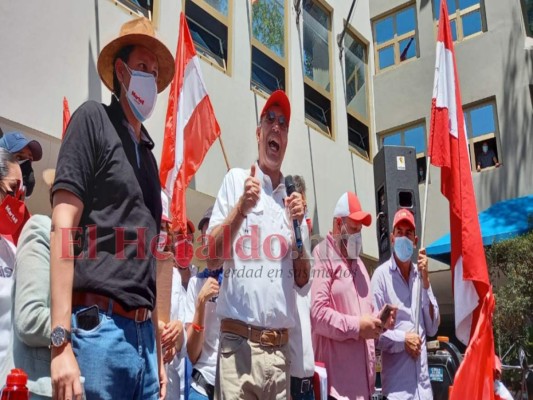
224,152
422,234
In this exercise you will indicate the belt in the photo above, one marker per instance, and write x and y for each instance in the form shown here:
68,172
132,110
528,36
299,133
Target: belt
86,299
265,337
301,385
201,381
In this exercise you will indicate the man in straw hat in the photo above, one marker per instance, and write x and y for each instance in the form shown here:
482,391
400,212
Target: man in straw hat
107,192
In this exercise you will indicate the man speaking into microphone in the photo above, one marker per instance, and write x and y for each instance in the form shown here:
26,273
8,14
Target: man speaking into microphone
257,310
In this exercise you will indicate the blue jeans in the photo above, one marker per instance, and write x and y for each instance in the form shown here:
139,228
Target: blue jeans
117,358
194,395
302,390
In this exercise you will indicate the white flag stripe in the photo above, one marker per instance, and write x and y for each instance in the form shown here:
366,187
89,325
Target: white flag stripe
191,94
466,301
444,87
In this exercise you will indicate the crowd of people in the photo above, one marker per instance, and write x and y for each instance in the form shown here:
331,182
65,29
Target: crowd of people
78,308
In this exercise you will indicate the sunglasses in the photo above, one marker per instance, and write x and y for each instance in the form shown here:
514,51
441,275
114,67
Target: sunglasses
270,117
16,188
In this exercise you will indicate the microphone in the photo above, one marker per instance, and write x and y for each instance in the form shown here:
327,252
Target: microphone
290,188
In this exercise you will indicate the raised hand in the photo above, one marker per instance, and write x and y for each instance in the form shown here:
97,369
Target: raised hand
252,193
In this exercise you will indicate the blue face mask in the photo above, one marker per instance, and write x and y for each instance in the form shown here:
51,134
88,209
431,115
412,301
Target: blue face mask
403,248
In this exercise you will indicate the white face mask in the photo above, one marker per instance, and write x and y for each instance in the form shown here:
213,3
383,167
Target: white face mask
141,93
485,149
354,244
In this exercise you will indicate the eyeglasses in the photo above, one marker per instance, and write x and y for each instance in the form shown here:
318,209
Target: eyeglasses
270,117
16,188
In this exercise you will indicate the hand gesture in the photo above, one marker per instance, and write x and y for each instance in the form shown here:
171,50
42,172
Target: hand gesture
423,267
209,290
170,334
370,327
252,192
65,374
413,344
391,320
296,207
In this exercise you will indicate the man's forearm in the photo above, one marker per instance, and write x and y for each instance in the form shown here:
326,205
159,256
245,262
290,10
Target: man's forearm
223,236
61,280
302,269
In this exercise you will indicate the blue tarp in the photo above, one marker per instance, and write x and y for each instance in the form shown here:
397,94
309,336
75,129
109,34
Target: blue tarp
501,221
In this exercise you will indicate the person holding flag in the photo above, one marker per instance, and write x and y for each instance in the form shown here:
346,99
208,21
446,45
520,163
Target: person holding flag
107,195
257,309
403,349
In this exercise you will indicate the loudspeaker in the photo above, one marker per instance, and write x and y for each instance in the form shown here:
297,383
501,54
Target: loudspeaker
396,186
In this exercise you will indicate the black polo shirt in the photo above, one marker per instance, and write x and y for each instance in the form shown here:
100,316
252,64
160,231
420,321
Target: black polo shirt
98,162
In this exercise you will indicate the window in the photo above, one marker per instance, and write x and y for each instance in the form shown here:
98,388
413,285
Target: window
355,71
466,18
481,127
268,45
414,136
208,23
395,38
141,7
527,7
317,78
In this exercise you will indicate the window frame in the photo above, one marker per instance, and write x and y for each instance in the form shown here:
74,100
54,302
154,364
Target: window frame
224,20
351,112
527,31
283,62
401,131
458,16
330,131
472,141
395,41
133,9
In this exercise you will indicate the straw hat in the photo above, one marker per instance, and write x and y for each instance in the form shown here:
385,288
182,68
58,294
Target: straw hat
138,32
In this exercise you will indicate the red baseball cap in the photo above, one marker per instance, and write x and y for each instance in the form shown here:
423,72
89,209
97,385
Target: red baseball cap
404,215
349,206
280,99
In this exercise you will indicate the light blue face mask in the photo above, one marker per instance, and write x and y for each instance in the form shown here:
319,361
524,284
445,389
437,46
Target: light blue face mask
403,248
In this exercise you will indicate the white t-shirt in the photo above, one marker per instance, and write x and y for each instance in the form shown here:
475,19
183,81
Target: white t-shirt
258,286
7,269
207,362
300,342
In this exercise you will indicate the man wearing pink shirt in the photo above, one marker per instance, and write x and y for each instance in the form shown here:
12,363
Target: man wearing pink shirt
342,314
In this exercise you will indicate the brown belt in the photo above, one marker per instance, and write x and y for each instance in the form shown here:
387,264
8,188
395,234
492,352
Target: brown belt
265,337
86,299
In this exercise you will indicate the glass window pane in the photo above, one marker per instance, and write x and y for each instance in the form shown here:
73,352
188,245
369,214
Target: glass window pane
386,57
482,120
268,24
416,137
384,30
405,21
316,50
355,67
407,49
453,24
220,5
467,3
393,140
471,23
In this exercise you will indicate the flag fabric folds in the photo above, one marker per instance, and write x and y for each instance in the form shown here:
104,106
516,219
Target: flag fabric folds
190,128
66,116
473,298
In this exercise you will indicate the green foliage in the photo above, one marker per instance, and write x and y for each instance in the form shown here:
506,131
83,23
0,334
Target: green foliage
268,25
511,269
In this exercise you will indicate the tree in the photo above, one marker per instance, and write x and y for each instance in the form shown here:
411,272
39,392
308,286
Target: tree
268,25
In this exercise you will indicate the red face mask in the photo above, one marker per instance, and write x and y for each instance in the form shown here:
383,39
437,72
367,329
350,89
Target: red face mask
184,251
13,216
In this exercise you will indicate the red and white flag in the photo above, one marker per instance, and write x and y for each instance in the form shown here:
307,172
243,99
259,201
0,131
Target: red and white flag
190,129
66,116
474,302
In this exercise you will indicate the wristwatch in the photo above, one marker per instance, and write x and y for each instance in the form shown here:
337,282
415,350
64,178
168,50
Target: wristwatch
59,336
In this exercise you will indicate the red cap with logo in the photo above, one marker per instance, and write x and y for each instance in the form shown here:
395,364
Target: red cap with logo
404,215
349,206
280,99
